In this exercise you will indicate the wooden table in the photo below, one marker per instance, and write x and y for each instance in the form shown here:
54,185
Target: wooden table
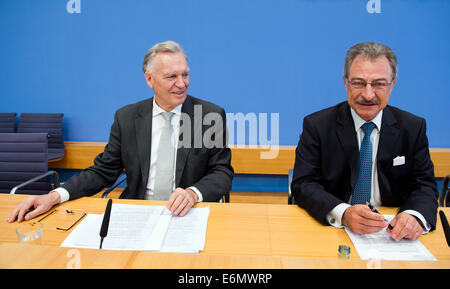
238,236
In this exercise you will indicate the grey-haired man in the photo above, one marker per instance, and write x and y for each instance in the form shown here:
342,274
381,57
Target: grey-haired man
363,150
145,142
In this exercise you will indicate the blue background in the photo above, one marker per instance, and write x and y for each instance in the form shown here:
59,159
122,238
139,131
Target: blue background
249,56
260,56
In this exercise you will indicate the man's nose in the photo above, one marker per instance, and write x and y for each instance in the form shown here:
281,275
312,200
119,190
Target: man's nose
180,83
368,92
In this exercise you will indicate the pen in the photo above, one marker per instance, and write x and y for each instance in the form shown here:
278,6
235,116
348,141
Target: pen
373,209
105,223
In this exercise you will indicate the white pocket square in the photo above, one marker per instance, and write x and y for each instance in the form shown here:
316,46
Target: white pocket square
398,161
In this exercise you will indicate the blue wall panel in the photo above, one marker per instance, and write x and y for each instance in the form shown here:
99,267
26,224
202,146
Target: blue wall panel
248,56
246,183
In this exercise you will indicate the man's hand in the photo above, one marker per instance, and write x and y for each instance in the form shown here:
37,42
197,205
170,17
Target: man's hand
360,219
34,206
405,226
181,201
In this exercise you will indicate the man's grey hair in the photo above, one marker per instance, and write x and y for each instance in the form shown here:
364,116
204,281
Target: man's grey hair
372,51
166,46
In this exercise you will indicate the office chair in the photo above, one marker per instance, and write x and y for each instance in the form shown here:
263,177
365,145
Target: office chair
50,123
443,200
290,196
122,178
7,122
24,165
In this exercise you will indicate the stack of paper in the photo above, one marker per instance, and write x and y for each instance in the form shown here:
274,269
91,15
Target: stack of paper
143,228
381,246
187,234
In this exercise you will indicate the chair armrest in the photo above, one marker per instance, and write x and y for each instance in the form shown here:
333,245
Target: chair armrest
120,179
444,192
227,197
290,197
53,173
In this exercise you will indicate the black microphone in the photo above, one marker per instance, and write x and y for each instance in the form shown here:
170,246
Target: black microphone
445,226
105,223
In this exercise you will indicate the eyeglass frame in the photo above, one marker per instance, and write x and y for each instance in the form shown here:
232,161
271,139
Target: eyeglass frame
66,211
365,83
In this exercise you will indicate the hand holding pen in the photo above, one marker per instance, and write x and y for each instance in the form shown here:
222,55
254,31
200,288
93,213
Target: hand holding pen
373,209
362,220
406,226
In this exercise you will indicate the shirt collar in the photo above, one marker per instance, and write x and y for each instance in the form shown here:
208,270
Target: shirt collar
358,121
158,110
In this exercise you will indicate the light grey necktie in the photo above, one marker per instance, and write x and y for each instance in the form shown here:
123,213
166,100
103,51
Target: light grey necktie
164,166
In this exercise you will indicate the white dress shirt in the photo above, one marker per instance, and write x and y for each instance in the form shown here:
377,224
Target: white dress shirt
334,217
157,124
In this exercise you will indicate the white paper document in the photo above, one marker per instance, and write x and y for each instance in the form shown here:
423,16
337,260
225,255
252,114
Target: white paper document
143,228
187,234
381,246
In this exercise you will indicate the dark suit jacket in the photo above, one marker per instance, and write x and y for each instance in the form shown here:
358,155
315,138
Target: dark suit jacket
129,147
326,162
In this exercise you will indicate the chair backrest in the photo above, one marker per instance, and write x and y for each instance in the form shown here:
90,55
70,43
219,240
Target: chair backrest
22,157
123,177
7,122
50,123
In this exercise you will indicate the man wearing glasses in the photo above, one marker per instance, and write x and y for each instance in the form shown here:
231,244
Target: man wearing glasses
364,152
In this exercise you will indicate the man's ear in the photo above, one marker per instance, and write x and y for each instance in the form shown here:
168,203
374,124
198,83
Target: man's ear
345,82
394,82
148,78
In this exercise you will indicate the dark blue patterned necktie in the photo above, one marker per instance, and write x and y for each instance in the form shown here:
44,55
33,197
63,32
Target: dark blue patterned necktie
361,193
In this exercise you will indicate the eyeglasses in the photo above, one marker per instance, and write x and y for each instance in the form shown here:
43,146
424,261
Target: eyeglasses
67,216
376,85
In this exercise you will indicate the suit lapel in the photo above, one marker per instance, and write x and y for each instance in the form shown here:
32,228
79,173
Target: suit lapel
347,137
388,147
143,125
183,152
389,135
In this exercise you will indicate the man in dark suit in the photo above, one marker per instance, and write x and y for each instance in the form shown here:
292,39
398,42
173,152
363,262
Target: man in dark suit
338,168
171,147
